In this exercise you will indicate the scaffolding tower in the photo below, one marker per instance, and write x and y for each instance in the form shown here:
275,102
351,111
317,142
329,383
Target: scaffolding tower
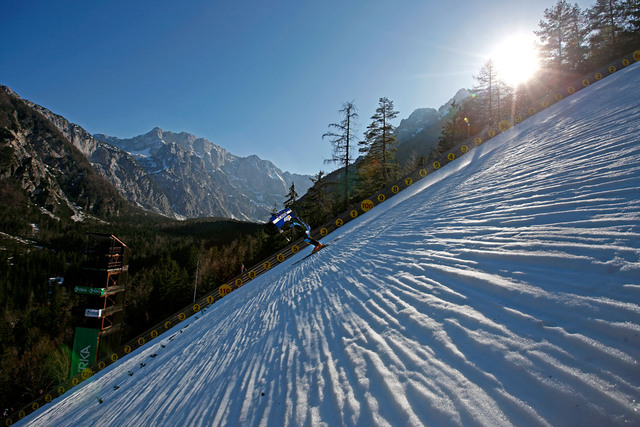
102,288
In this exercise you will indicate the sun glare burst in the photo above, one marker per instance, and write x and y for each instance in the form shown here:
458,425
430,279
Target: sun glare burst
516,59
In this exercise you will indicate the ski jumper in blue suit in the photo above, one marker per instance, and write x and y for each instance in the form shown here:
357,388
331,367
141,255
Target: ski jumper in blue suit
286,218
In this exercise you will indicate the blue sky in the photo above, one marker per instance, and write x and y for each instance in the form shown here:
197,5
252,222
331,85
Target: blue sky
255,77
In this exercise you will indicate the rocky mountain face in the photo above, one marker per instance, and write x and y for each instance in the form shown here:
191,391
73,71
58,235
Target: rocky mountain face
115,165
200,178
419,132
176,175
39,162
422,118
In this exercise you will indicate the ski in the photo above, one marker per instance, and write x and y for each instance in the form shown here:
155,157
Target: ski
312,253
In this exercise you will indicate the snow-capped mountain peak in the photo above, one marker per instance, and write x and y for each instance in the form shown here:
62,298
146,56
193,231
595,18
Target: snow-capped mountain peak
212,181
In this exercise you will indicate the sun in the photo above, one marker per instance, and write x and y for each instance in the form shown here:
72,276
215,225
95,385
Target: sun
516,59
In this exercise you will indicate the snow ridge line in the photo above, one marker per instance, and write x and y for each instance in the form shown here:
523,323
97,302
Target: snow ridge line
356,211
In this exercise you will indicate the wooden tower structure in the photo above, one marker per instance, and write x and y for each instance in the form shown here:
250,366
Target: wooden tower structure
102,288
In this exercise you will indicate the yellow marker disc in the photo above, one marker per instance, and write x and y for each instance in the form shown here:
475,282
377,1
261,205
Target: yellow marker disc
22,414
491,133
408,181
76,381
101,365
477,140
571,90
154,333
35,406
636,55
436,165
612,69
423,172
586,83
167,324
381,198
224,290
517,118
267,265
61,390
451,156
558,97
504,125
339,222
598,76
532,111
395,189
366,205
545,104
141,341
464,148
48,398
353,213
86,373
324,232
114,357
252,275
238,281
295,249
182,316
211,299
625,62
127,348
280,257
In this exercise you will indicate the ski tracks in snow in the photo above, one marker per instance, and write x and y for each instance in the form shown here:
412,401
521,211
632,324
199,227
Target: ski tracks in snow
503,289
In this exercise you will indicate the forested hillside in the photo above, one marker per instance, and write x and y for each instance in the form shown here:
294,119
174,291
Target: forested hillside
571,42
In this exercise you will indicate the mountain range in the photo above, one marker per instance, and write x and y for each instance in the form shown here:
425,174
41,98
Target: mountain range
177,175
418,134
201,179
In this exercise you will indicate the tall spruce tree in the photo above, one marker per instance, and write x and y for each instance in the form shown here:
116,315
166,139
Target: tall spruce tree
632,16
609,22
342,137
492,92
317,203
562,37
292,196
379,144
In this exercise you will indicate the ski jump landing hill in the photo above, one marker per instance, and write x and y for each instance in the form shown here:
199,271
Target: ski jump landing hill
495,290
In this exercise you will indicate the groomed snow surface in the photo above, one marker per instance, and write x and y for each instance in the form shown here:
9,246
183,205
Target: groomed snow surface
503,289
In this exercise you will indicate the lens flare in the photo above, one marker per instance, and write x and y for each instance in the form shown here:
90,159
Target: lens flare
516,59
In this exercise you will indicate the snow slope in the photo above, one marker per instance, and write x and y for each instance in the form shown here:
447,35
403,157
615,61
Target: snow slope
503,289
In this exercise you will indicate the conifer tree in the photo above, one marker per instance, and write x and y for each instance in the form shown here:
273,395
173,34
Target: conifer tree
292,196
343,139
379,144
562,35
632,17
492,92
606,20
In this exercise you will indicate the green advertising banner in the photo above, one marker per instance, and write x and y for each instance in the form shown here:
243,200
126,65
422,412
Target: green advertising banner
90,291
85,346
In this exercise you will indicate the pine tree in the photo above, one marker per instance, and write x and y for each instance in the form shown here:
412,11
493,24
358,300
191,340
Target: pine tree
488,90
379,144
632,17
606,22
562,36
317,207
342,140
292,196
